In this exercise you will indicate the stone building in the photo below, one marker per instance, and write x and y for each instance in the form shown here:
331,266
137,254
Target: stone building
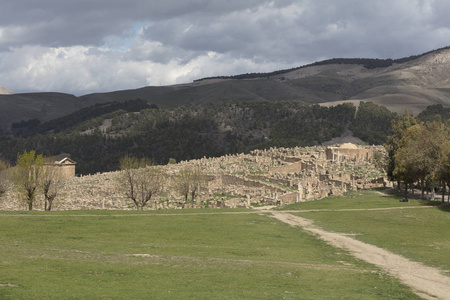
64,167
349,151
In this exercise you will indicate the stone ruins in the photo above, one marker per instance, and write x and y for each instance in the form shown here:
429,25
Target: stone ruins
262,177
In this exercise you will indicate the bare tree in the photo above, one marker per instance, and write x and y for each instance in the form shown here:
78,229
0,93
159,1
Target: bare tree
196,182
188,182
27,175
50,180
140,179
182,183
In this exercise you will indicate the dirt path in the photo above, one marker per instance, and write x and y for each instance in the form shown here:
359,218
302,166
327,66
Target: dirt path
427,282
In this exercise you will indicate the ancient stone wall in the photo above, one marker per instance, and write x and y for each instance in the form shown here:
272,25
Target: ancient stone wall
289,168
272,176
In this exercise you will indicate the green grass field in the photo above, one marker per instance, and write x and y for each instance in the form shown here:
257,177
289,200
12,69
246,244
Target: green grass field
183,255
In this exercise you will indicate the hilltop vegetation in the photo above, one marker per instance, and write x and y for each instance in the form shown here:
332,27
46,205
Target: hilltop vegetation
429,115
372,123
368,63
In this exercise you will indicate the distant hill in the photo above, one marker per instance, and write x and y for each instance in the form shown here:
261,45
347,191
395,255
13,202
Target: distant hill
411,83
5,91
41,106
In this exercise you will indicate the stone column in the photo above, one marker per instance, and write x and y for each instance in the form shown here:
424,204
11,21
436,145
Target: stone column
299,193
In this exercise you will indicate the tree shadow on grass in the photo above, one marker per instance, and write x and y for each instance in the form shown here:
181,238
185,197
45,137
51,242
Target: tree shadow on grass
445,206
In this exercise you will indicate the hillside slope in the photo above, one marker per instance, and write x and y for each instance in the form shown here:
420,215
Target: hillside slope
41,106
409,83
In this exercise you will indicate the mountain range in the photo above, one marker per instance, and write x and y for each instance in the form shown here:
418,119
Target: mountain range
411,83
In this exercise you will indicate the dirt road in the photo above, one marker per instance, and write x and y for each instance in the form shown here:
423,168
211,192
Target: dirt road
427,282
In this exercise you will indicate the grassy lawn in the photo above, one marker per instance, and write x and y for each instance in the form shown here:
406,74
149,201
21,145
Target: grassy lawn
105,212
421,234
177,256
362,199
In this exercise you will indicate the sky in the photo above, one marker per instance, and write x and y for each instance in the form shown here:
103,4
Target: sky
85,46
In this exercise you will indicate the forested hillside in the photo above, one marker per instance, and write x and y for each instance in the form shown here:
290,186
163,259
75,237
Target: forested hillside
184,133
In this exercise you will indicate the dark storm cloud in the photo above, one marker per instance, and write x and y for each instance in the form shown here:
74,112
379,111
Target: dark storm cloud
244,28
64,23
308,30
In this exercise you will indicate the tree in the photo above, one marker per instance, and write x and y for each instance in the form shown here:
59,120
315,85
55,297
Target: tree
415,157
372,123
434,142
188,182
50,182
182,183
196,182
3,177
27,175
141,180
419,156
404,168
443,172
398,130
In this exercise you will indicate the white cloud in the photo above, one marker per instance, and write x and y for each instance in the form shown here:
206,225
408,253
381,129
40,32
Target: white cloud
82,70
104,45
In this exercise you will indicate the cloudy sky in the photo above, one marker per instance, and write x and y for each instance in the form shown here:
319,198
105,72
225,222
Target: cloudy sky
88,46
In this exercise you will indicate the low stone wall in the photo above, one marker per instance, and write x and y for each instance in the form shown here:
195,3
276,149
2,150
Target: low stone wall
290,168
236,180
291,197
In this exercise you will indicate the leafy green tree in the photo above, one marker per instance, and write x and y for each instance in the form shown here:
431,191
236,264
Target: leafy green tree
419,155
140,179
416,156
435,138
27,175
405,167
443,172
393,142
